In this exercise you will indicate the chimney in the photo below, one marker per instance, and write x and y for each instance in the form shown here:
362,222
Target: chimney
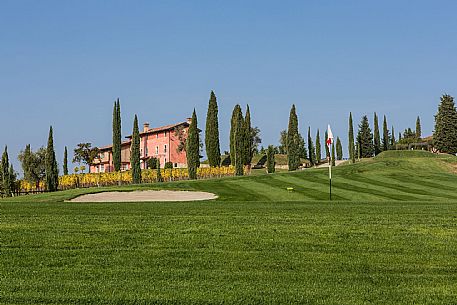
189,120
145,127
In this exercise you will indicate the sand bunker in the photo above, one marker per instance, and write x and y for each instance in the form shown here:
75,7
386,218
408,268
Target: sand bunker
145,196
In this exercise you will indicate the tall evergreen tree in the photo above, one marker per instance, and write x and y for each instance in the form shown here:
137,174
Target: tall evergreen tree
318,147
135,153
193,149
392,139
311,149
327,149
5,173
158,171
377,137
270,159
302,151
236,111
351,147
248,140
117,136
293,157
339,149
12,177
445,134
65,161
365,139
418,128
213,150
333,154
239,142
385,135
52,171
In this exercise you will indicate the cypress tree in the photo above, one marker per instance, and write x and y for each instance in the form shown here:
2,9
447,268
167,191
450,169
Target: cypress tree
52,171
311,149
445,134
327,149
293,157
418,128
248,141
385,135
12,177
65,161
318,148
333,154
339,149
5,173
236,111
377,138
351,147
392,139
158,171
135,153
117,136
365,139
239,142
213,150
270,159
193,150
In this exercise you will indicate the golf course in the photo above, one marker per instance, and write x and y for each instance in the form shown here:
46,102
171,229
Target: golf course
389,236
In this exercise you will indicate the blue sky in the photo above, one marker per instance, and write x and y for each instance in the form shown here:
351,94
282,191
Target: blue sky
63,63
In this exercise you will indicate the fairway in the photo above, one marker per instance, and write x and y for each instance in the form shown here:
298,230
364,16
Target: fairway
390,238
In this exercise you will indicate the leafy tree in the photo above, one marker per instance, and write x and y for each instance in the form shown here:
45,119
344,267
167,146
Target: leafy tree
248,140
193,148
418,128
365,139
339,149
282,148
270,159
52,171
351,147
385,135
135,153
333,154
212,144
6,183
377,138
293,157
13,179
168,165
318,147
256,139
85,153
117,136
33,164
65,161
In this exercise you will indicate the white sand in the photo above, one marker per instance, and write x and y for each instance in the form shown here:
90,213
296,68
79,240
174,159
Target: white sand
137,196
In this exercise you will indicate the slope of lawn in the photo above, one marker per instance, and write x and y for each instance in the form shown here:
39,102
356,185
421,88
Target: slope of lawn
391,176
396,243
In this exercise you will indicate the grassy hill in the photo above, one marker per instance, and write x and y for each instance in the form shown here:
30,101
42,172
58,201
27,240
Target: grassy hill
389,239
391,176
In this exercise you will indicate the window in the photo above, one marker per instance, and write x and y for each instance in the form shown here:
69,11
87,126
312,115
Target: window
165,148
146,151
157,150
102,168
157,135
165,134
102,155
141,151
176,164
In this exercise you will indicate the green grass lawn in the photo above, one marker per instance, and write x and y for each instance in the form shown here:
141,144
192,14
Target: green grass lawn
390,238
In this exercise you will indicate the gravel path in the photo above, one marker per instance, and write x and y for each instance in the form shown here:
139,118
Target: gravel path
137,196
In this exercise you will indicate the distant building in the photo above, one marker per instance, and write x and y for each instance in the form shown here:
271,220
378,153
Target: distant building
161,143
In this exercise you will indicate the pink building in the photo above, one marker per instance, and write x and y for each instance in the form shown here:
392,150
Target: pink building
161,143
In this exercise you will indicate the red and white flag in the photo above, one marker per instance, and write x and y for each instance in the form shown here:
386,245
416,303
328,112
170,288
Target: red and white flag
329,136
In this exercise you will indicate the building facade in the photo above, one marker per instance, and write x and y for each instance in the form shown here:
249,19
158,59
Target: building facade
163,143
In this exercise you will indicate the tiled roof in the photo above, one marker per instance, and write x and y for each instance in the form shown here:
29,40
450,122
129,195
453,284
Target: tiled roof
162,128
111,146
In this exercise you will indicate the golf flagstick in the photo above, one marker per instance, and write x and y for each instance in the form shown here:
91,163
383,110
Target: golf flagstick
329,142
